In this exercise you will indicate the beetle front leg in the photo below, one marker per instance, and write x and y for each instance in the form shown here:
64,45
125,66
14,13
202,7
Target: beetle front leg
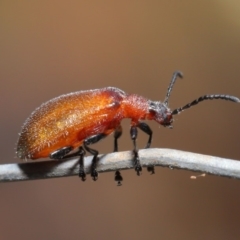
137,165
145,128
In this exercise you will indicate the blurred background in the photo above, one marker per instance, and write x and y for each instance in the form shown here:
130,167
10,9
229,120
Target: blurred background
49,48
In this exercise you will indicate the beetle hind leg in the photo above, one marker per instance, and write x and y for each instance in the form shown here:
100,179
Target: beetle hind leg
81,173
61,153
88,141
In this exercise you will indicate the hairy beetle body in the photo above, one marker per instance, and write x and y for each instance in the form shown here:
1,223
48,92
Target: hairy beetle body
76,120
69,119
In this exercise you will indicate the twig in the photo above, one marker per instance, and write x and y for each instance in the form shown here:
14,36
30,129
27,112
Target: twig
122,160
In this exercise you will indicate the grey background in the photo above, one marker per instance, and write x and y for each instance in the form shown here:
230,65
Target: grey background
53,47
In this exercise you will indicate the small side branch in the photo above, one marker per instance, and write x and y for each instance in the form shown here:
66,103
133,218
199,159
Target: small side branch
122,160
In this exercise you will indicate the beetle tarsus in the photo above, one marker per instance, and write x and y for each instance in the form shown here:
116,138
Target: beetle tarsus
118,178
81,152
138,167
151,169
94,174
91,140
117,134
82,175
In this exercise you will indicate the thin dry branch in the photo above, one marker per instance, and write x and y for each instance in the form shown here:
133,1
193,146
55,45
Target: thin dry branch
122,160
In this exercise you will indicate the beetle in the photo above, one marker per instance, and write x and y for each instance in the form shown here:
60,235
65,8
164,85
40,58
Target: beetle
76,120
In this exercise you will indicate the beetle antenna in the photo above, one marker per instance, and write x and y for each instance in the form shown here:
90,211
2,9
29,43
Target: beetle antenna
170,87
205,97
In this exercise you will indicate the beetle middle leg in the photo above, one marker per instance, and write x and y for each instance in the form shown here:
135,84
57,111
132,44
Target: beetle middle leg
81,152
91,140
145,128
117,134
137,165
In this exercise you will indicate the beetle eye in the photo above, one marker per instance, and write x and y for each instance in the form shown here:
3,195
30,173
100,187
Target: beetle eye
152,107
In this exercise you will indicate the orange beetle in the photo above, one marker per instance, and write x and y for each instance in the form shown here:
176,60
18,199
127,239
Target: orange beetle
78,119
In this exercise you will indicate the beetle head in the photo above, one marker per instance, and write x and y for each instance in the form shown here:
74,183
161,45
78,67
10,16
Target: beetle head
161,113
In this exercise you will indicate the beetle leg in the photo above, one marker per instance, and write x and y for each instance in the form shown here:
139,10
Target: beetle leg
81,173
81,152
137,165
61,153
117,134
118,178
145,128
88,141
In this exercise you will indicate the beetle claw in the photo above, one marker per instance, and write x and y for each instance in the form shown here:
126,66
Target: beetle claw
118,178
151,169
138,169
94,175
82,175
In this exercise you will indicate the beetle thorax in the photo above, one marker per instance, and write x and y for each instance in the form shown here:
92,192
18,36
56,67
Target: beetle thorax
135,107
